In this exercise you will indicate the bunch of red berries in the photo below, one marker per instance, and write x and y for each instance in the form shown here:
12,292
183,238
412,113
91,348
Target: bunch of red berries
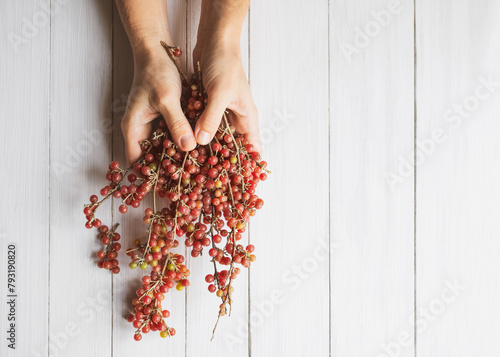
148,313
207,195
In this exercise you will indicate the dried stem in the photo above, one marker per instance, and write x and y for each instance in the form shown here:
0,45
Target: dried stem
96,205
169,50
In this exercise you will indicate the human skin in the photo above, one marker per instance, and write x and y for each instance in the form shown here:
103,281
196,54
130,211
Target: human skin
157,88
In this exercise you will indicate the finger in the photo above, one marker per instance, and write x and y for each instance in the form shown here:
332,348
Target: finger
178,125
134,131
248,125
253,138
209,121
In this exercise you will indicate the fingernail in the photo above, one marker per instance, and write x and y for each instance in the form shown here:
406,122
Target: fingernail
203,137
187,141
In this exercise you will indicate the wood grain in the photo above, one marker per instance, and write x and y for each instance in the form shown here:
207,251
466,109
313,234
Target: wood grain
372,238
80,140
24,137
458,51
289,295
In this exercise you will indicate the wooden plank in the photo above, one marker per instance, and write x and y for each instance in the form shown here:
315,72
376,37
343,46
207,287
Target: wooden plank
458,50
24,84
80,142
372,225
131,227
289,295
202,306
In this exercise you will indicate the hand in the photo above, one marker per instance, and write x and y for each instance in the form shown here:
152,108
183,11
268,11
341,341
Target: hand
226,85
157,87
156,91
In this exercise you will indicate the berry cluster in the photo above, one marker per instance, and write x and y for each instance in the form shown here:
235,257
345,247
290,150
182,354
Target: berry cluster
148,313
207,196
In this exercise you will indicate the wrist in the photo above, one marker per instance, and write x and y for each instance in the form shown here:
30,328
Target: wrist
221,23
148,48
221,42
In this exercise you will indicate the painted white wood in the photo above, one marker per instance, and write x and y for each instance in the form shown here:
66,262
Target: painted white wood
193,13
203,306
131,226
289,287
458,51
80,141
371,121
24,128
335,93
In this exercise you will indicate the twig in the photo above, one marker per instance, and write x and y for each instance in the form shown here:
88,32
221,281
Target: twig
174,59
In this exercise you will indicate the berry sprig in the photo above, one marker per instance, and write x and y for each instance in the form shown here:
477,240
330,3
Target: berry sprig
108,256
207,196
148,312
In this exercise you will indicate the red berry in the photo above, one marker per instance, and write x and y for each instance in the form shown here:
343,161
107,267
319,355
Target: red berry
132,177
197,105
106,265
213,160
146,170
216,147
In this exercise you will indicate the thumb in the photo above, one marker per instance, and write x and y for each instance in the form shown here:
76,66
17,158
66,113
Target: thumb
178,125
209,121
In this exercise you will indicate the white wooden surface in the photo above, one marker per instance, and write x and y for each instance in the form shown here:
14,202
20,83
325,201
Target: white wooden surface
80,109
25,103
371,106
289,298
458,246
365,246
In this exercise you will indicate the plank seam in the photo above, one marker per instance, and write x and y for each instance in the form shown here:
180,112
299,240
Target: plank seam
414,178
329,197
49,168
